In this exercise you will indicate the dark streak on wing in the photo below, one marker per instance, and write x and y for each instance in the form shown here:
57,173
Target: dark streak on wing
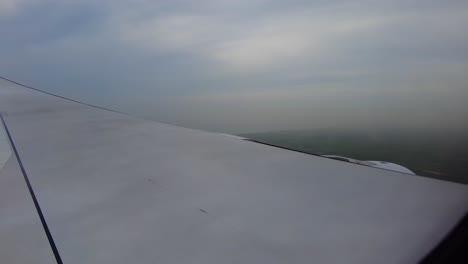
33,196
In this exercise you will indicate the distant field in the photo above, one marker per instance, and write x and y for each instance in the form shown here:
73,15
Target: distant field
438,155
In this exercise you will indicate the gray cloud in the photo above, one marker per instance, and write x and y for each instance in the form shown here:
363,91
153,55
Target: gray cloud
243,66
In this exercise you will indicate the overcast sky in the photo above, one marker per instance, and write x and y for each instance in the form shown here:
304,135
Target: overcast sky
248,65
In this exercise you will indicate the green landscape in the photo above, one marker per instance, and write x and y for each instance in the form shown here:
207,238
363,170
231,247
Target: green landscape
442,155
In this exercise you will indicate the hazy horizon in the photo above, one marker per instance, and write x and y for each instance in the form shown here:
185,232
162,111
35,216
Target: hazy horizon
249,66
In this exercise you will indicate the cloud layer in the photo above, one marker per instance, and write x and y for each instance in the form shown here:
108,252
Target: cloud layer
243,66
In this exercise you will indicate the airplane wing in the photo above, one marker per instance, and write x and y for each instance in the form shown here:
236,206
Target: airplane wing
83,184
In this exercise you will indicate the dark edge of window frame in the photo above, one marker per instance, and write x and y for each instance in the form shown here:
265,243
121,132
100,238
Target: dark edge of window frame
452,249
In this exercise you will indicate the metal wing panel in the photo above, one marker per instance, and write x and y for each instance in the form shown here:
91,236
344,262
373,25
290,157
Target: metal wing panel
22,238
118,189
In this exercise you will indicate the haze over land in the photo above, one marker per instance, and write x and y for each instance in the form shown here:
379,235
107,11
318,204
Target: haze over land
442,154
249,66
